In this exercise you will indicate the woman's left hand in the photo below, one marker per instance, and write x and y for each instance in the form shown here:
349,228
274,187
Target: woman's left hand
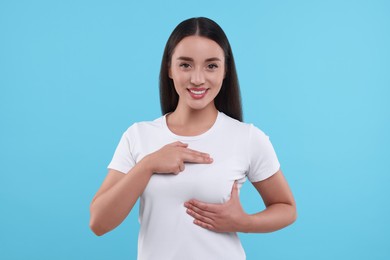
226,217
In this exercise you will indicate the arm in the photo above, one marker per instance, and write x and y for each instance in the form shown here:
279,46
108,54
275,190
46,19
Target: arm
119,192
230,217
117,196
280,206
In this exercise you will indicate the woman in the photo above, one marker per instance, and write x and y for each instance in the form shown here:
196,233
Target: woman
187,166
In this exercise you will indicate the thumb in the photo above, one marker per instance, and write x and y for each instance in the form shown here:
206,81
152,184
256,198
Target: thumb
234,193
180,144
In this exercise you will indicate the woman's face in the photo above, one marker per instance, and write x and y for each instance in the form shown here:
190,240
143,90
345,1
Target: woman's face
197,70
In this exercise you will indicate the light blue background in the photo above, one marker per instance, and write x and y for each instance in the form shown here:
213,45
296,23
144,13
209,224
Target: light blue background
315,76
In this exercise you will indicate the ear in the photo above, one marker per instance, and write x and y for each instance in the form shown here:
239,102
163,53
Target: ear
170,73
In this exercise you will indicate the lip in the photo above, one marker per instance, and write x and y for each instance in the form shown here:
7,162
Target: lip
197,93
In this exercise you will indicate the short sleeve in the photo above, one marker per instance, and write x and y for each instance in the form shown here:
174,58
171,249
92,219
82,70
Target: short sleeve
263,160
123,159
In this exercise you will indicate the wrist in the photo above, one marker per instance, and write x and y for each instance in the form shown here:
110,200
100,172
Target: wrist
146,164
245,224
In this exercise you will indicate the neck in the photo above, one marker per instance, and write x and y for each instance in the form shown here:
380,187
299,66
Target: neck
189,122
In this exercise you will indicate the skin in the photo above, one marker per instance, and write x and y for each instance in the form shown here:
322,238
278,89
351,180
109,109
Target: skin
197,64
230,217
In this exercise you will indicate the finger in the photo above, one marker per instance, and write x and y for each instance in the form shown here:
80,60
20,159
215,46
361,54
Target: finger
198,213
198,206
204,225
234,193
192,157
200,217
181,167
197,159
191,151
179,144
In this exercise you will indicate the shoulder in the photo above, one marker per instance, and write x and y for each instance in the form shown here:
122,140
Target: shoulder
145,127
246,133
242,127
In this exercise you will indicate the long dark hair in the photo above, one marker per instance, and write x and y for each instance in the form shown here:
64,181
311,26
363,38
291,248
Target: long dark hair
228,99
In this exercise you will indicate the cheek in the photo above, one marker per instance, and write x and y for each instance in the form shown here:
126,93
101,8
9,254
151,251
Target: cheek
177,76
218,80
179,81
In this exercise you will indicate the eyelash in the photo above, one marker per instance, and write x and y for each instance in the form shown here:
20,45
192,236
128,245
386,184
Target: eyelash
184,65
210,66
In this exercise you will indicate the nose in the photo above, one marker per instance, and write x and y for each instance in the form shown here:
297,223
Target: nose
197,77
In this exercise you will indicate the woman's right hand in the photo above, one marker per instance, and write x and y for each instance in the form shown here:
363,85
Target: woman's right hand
119,192
171,158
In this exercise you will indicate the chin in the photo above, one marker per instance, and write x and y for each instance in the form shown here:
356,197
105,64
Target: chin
199,107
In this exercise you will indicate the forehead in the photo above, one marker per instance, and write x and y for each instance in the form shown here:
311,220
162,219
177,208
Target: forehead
198,47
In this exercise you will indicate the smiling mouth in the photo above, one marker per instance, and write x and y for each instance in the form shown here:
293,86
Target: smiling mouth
197,93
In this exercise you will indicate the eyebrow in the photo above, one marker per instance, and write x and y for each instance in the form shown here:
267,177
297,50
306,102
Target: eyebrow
191,59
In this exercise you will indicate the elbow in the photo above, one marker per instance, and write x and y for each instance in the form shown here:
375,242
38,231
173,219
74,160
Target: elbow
290,214
95,224
96,228
294,214
294,217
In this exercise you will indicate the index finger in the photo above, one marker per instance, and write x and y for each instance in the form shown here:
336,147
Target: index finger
193,156
196,152
198,205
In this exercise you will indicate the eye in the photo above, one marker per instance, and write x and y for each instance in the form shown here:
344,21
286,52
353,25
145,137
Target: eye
184,65
212,66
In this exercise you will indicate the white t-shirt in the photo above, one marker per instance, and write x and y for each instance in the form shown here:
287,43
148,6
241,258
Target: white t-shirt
239,151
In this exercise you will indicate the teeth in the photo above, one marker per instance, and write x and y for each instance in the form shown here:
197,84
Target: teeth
198,92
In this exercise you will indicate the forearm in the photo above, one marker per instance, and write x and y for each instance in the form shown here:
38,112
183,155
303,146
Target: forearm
274,217
111,207
118,193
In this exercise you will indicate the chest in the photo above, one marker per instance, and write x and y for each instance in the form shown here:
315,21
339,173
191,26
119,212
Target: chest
206,182
210,183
